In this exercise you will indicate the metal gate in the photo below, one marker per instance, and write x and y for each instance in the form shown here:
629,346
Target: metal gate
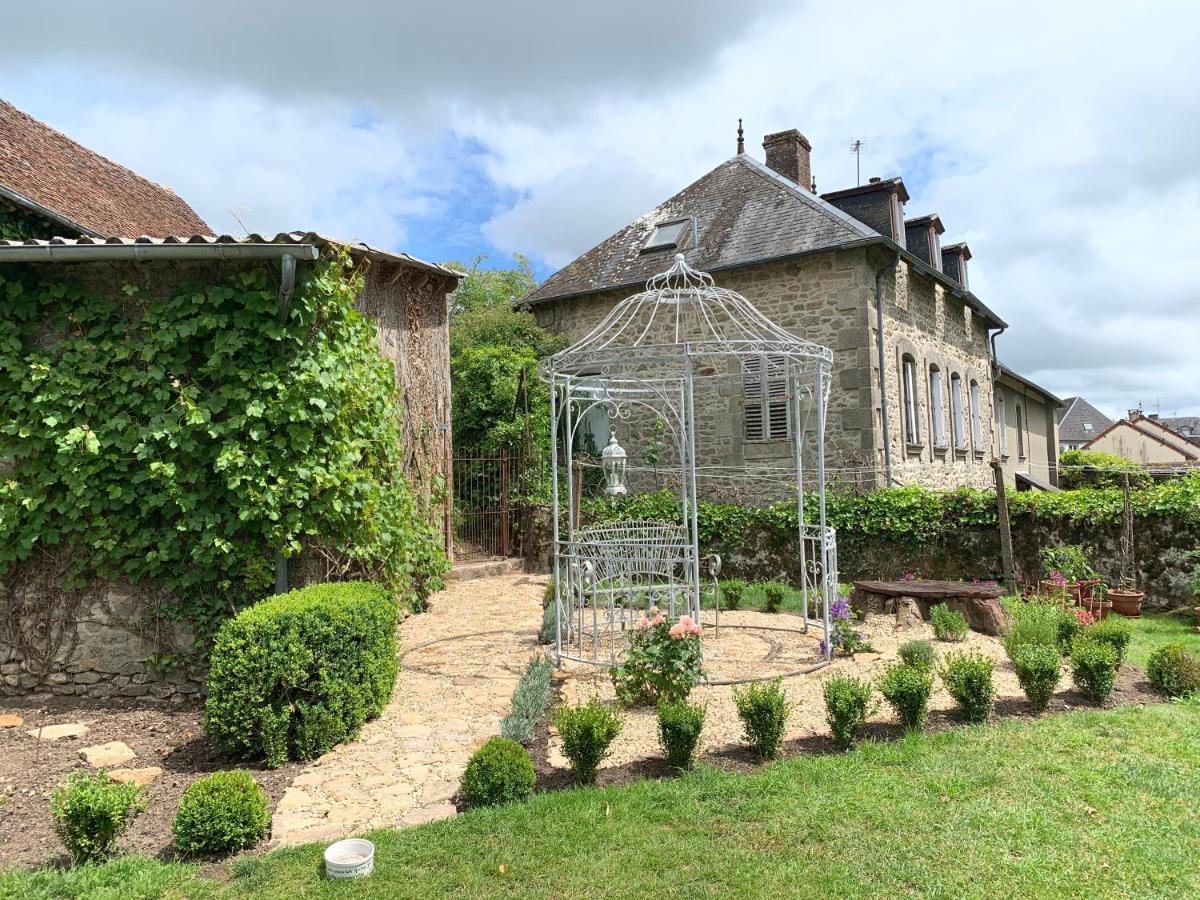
491,504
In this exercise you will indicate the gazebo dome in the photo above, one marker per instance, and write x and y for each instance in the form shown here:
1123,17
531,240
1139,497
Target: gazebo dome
681,314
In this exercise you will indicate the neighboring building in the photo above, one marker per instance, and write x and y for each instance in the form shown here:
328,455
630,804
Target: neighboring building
51,186
1026,431
1146,440
1079,422
407,299
1188,426
913,403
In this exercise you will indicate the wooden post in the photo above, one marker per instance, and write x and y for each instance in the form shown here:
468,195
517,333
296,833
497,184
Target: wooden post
504,524
1006,548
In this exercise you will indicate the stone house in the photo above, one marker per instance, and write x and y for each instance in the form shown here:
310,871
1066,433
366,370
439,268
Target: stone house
914,396
1146,440
1078,423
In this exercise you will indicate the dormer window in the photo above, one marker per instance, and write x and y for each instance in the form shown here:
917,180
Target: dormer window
667,235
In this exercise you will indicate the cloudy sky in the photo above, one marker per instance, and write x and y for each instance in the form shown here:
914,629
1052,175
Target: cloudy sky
1058,138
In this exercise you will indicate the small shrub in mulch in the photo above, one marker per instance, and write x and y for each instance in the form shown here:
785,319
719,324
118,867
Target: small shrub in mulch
968,678
587,732
1175,670
906,688
948,624
1094,667
1038,668
529,701
763,709
91,812
221,812
679,727
848,704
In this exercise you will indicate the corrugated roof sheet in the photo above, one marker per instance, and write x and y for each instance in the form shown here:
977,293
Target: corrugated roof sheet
357,248
46,167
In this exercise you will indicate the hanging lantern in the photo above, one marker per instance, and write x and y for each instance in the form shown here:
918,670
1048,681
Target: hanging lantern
613,460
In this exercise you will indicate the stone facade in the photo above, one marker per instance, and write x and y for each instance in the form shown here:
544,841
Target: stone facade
829,298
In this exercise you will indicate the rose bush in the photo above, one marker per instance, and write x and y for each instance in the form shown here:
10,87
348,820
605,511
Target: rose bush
663,661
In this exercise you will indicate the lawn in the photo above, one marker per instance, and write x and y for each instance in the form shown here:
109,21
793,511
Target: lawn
1152,631
1086,804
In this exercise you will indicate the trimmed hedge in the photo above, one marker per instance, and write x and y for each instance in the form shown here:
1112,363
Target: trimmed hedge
221,812
501,771
295,674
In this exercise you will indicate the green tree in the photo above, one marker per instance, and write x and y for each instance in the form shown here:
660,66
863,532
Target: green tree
499,402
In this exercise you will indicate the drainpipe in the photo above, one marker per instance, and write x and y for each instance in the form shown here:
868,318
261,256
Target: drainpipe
287,286
996,334
883,405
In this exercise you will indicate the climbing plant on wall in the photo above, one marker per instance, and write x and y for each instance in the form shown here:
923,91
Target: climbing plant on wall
186,440
17,224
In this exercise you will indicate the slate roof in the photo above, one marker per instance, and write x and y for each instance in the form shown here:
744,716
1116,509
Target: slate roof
44,170
1075,413
147,248
739,213
1186,426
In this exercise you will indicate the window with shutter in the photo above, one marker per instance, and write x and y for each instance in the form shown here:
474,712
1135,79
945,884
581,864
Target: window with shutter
765,399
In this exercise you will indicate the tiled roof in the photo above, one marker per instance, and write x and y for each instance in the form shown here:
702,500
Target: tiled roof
41,167
1076,415
739,213
743,212
80,249
1188,426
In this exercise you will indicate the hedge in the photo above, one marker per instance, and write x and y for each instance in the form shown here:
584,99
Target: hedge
297,673
910,515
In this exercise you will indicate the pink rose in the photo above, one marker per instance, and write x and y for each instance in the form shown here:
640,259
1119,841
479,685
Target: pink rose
678,630
643,622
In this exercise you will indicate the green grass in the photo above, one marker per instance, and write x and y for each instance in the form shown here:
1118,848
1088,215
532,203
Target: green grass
755,599
1153,630
1086,804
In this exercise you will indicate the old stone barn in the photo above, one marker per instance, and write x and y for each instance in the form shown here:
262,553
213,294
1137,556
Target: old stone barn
130,636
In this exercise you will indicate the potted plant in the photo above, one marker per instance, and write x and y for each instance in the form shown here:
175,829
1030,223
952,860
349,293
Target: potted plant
1126,601
1070,573
1099,602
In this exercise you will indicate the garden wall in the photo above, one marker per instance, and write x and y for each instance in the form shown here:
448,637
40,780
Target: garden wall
953,535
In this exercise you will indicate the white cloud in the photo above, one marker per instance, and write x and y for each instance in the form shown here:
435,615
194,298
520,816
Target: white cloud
1057,138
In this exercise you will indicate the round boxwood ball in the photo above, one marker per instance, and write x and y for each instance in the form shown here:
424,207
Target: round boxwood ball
221,812
501,771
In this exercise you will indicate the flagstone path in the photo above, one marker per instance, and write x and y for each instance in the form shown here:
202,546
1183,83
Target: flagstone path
459,663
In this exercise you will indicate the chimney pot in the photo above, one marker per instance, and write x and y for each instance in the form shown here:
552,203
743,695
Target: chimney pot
789,154
874,179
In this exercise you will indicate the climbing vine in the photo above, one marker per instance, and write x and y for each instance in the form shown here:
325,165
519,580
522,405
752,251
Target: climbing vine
17,224
185,440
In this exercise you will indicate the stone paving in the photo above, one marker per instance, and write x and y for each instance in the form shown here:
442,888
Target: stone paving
459,663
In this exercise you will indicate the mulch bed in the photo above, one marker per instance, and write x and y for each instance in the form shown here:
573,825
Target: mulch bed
167,736
1133,688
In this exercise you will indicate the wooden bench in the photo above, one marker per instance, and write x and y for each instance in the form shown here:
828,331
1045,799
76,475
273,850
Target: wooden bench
908,600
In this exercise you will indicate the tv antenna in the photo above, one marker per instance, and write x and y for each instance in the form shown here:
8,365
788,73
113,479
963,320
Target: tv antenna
857,148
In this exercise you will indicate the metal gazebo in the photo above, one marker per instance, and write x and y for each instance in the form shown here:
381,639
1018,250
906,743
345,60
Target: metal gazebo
658,364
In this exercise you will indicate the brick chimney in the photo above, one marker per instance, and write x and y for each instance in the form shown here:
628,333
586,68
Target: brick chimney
954,262
788,153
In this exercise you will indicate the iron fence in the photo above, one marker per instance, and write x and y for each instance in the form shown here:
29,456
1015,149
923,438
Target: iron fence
494,494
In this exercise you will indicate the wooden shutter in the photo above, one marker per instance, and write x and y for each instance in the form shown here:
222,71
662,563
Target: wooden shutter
765,399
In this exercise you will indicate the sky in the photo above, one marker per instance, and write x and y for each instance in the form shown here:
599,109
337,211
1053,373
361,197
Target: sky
1058,139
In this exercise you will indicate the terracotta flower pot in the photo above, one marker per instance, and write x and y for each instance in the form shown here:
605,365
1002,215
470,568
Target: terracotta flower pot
1098,608
1054,589
1126,602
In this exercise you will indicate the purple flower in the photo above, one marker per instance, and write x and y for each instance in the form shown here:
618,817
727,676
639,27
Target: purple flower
840,608
824,648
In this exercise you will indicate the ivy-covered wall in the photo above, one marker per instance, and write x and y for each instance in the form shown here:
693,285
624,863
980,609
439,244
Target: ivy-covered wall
18,224
164,435
889,532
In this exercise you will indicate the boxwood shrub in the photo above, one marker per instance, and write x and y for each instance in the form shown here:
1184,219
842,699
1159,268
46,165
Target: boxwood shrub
221,812
297,673
501,771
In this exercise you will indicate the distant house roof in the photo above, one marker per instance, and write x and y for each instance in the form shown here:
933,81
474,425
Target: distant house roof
1079,421
1188,426
739,213
1005,372
45,171
201,246
1157,432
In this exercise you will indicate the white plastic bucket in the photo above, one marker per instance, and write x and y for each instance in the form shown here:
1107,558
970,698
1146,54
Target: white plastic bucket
354,858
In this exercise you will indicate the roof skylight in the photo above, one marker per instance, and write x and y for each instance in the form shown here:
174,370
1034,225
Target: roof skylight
667,234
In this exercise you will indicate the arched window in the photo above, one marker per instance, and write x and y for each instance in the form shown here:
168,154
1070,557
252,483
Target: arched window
1020,433
908,367
976,422
1001,425
956,412
936,407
